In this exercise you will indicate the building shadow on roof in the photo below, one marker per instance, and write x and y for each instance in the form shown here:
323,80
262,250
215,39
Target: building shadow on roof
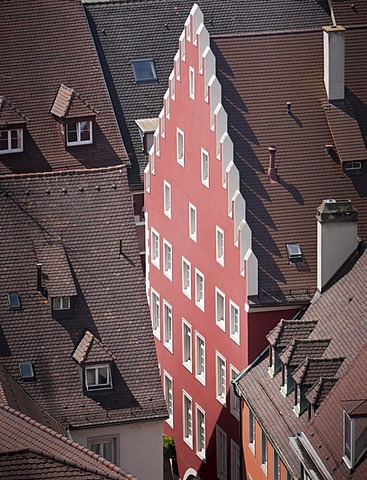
4,346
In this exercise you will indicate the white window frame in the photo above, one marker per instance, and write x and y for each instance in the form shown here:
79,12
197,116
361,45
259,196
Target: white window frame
113,440
200,432
235,461
235,404
186,277
78,133
220,378
19,140
167,199
187,418
233,331
220,319
192,83
156,314
167,259
167,326
168,395
187,345
251,431
264,452
221,448
60,303
155,250
180,149
219,245
200,358
199,290
192,222
205,168
98,386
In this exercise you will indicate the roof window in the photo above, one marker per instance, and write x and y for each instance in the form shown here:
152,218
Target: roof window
79,133
144,71
354,431
349,166
11,141
98,377
14,300
61,303
26,370
294,252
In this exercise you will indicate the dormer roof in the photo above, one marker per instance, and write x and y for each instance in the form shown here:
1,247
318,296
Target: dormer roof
69,104
319,391
312,369
9,114
287,330
298,349
92,350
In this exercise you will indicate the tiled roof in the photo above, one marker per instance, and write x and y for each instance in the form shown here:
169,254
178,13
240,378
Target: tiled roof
286,330
80,206
298,349
29,450
44,45
124,31
91,350
312,369
319,391
69,104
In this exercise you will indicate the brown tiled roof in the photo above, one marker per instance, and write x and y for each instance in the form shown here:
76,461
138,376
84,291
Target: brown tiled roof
44,45
91,350
69,104
56,272
80,206
287,330
319,391
298,349
28,449
312,369
9,114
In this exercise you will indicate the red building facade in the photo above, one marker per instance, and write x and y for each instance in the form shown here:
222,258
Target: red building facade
200,265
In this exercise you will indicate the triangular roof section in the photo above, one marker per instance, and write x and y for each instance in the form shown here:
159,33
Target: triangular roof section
312,369
300,348
69,104
10,115
92,350
287,330
318,392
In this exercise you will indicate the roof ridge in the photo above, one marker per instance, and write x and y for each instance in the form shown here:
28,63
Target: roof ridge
267,32
57,173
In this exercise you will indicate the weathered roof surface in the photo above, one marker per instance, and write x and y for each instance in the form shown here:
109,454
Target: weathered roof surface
259,75
9,114
298,349
29,450
92,350
341,318
123,31
286,330
319,391
68,104
312,369
44,45
80,206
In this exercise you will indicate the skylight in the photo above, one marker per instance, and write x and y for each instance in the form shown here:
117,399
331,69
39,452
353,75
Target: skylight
14,300
294,252
144,71
26,370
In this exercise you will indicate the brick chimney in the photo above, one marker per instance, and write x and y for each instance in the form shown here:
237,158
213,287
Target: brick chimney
336,237
334,62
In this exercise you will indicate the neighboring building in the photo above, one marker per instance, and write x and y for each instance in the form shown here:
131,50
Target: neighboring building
304,399
75,327
231,234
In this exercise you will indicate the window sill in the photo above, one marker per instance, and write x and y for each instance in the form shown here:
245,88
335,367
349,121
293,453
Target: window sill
188,366
201,379
188,442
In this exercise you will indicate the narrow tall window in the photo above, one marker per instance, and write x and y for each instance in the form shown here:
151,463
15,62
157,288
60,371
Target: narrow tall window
220,310
199,289
186,278
11,141
187,419
192,83
264,451
200,432
167,259
235,461
234,322
180,147
221,440
276,466
168,393
221,387
200,358
251,430
167,327
186,345
192,222
155,306
235,401
155,248
205,167
167,199
220,245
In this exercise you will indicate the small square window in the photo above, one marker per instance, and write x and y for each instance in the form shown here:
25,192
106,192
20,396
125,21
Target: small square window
192,222
11,141
26,370
205,168
167,259
98,377
61,303
220,245
167,199
180,147
186,278
14,300
79,133
199,290
144,71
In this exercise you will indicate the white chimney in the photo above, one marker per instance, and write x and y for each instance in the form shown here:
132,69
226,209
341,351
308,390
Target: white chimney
334,59
336,237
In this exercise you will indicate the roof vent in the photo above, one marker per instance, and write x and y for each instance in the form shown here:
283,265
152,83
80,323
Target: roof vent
272,171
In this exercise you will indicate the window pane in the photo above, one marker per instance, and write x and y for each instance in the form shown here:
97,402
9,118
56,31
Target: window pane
15,138
72,132
91,378
102,376
85,131
4,140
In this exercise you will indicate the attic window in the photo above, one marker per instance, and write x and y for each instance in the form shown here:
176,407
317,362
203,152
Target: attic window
144,71
61,303
11,141
79,133
14,300
294,252
26,370
98,377
354,438
350,166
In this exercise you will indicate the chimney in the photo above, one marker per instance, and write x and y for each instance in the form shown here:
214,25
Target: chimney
336,237
39,278
272,171
334,62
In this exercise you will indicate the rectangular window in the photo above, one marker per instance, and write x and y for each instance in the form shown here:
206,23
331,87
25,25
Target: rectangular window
180,147
220,309
11,141
186,345
234,322
167,326
221,387
61,303
251,430
200,432
167,259
186,278
235,461
192,83
200,358
221,440
276,466
168,394
138,206
348,447
235,401
192,222
199,289
167,199
187,419
98,377
155,247
205,167
264,451
79,133
106,447
220,245
155,305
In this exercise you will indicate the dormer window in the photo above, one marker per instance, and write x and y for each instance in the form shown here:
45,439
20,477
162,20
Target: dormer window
61,303
294,252
79,133
355,433
26,370
11,141
14,300
98,377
